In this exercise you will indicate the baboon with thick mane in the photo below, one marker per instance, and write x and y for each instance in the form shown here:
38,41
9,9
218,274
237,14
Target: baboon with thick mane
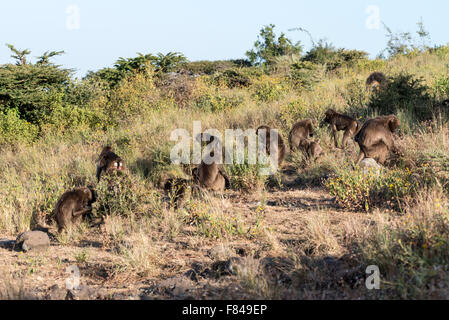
375,80
267,139
376,138
72,206
108,161
341,122
301,131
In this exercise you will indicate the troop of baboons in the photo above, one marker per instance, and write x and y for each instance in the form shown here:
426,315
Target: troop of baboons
375,139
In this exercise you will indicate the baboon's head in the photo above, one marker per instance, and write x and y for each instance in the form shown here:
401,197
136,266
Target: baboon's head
115,164
328,116
393,123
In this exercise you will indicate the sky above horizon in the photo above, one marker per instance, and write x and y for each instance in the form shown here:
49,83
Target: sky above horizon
94,34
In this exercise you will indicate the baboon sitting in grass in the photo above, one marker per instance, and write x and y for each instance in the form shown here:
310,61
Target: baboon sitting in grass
376,138
267,140
211,176
72,206
341,122
300,131
108,162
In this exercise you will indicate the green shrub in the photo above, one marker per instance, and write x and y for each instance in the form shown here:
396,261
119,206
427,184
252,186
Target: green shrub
356,190
305,74
232,78
404,93
14,129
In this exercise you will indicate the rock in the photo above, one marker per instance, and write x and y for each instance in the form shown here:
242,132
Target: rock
370,165
7,244
32,240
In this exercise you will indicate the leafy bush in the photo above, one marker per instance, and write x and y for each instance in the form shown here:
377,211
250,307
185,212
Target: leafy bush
268,89
404,93
305,74
120,195
356,190
325,54
232,78
13,129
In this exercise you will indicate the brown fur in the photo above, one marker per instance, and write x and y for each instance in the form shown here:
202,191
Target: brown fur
72,206
280,146
375,80
311,148
376,138
341,122
211,177
301,131
108,162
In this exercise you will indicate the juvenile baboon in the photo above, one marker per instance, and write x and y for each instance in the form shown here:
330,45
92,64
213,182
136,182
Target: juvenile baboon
108,161
341,122
301,130
375,80
176,189
211,176
376,138
311,148
267,139
72,206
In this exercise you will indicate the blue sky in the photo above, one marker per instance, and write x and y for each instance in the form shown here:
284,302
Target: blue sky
201,29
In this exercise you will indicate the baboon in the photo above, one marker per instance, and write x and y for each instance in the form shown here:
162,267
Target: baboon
375,80
176,189
311,148
108,161
211,176
267,139
72,206
301,130
376,138
341,122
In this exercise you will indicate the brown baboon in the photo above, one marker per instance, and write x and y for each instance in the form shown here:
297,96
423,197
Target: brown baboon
72,206
211,176
108,161
176,189
301,130
267,139
341,122
375,80
311,148
376,138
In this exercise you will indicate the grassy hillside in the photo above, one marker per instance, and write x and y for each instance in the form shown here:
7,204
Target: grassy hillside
309,232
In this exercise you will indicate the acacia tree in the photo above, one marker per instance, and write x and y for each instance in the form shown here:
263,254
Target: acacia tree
268,46
30,88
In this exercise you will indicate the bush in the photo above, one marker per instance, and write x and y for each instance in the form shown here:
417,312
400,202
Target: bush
268,89
232,78
325,54
404,93
13,129
356,190
305,74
